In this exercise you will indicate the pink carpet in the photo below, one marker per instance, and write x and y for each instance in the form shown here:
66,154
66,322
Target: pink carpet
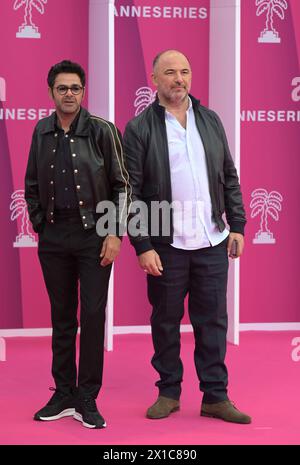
264,382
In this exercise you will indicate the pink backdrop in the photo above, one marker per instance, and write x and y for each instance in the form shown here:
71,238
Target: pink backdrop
24,66
269,155
138,40
270,161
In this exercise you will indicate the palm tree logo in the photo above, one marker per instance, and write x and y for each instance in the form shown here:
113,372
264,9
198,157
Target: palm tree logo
266,204
29,30
269,34
18,207
144,97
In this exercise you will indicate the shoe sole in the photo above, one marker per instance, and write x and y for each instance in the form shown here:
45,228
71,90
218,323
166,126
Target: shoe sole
175,409
65,413
77,416
203,414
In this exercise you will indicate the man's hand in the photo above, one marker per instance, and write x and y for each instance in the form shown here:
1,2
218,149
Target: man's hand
110,250
239,238
150,262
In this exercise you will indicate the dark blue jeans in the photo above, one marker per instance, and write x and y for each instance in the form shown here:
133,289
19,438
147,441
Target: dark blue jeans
202,275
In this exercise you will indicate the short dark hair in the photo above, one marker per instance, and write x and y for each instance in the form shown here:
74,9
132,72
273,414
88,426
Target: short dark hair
65,66
156,59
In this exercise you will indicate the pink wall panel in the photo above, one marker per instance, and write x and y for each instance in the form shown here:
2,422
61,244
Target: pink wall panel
171,24
63,29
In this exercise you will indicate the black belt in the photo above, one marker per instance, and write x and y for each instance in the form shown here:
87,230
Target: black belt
67,215
67,212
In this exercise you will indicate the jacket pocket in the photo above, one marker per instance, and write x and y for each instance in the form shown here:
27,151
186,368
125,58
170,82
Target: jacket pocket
221,183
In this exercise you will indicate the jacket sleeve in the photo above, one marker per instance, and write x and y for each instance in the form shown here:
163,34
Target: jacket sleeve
234,207
135,153
118,177
32,198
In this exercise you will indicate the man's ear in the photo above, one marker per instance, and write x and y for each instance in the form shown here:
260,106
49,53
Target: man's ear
153,78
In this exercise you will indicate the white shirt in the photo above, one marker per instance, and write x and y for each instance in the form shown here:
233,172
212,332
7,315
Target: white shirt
192,209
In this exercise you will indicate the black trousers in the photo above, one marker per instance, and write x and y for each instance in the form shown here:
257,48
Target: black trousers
202,274
70,255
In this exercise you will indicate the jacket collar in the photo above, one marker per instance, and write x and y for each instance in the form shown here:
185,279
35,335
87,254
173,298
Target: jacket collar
82,128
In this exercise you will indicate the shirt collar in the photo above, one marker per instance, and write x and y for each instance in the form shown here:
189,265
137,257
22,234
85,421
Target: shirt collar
189,108
73,124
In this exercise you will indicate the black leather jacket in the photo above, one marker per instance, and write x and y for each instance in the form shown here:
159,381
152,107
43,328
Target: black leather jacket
146,149
98,164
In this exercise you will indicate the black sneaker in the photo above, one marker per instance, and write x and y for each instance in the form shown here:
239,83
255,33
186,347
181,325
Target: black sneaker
60,405
86,411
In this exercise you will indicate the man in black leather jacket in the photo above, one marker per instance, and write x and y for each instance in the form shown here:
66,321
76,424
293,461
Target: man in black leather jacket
177,153
75,162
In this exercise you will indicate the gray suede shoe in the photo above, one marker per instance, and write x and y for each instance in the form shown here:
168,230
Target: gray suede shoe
226,411
162,408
